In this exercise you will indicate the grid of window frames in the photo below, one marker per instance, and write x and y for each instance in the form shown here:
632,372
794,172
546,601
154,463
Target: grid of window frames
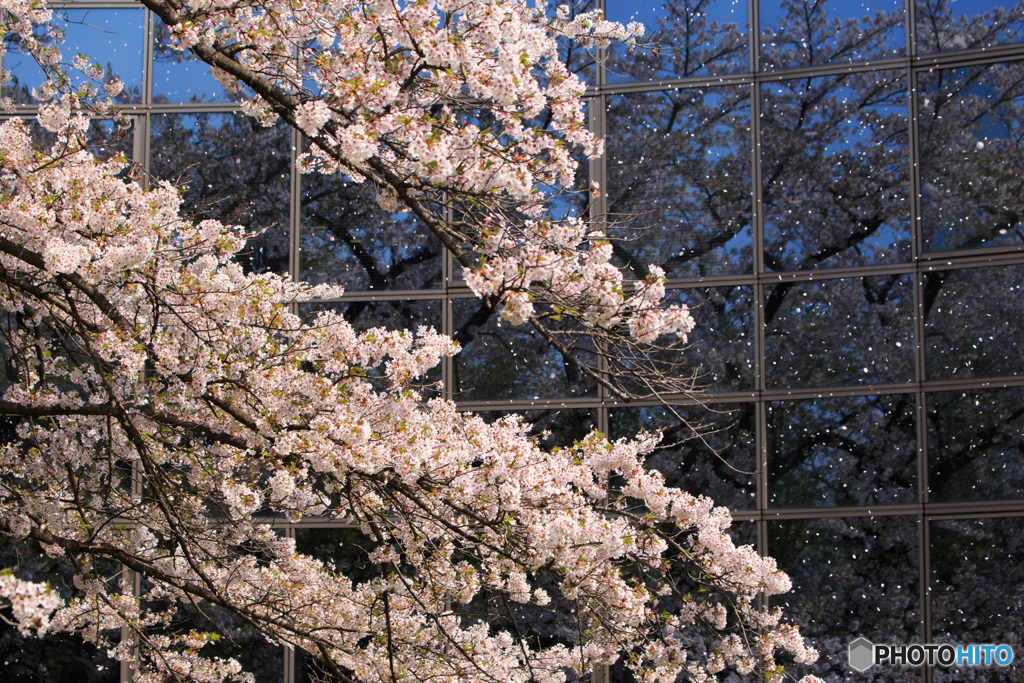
839,196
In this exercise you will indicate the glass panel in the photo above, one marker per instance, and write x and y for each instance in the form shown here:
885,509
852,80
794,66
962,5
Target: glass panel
972,141
579,60
235,171
110,38
852,577
835,171
743,533
502,361
348,239
847,331
976,445
719,463
798,33
57,657
553,427
972,322
964,24
842,451
976,583
105,139
179,76
391,315
720,354
679,181
238,639
343,551
682,38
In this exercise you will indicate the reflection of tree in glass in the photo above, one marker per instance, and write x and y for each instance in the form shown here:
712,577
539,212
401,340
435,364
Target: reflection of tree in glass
233,170
971,132
679,180
842,451
972,322
104,138
232,636
110,39
976,585
939,29
719,464
687,38
811,33
976,445
852,577
56,657
842,331
502,361
835,180
348,239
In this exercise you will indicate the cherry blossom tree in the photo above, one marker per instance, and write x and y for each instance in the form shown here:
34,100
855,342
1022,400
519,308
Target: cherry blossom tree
167,409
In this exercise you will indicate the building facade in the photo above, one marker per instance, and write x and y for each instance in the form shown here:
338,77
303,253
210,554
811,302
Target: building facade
836,188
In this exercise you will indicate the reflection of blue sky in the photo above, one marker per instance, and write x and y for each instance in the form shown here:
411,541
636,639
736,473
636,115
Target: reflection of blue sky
797,31
689,43
112,38
648,13
180,76
772,11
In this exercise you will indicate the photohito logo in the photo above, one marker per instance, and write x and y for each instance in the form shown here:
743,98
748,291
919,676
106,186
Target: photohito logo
864,654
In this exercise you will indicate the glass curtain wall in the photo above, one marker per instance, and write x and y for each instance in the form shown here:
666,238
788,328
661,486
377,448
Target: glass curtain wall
837,190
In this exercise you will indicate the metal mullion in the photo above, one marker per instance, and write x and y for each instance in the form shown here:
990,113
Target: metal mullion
532,404
910,27
972,258
924,569
598,210
447,315
975,509
781,514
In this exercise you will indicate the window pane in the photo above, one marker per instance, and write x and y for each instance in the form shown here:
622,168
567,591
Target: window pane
720,354
972,322
798,33
553,427
105,138
835,171
719,464
976,586
179,76
235,171
348,239
109,38
842,451
847,331
57,657
343,551
976,445
391,315
852,577
964,24
682,38
971,133
578,59
502,361
679,181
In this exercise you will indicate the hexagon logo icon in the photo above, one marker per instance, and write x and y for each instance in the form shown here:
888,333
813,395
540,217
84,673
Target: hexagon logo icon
862,654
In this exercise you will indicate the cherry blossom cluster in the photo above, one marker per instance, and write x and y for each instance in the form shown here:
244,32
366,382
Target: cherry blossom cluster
542,259
173,410
162,355
32,603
